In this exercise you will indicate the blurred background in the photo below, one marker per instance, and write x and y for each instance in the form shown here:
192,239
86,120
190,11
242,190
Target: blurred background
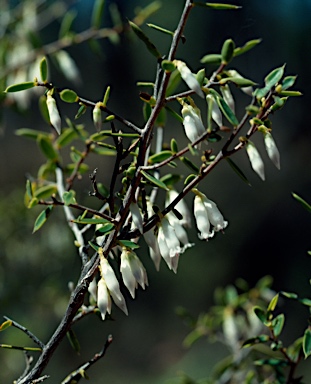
268,232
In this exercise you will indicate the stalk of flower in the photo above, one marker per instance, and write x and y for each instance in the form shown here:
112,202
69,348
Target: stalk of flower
181,207
54,115
206,214
192,122
255,159
112,283
133,271
188,77
215,111
272,149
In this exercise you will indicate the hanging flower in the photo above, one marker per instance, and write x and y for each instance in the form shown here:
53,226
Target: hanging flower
215,111
154,249
181,207
54,115
179,230
97,117
206,214
133,271
136,217
192,122
112,283
103,298
272,149
188,77
255,159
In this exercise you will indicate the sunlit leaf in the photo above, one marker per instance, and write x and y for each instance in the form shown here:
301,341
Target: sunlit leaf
42,218
94,221
246,47
20,87
277,324
273,303
218,6
45,191
6,324
68,96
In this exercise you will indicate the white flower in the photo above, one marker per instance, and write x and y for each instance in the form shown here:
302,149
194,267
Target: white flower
206,214
112,284
132,271
154,249
272,149
192,122
179,230
215,111
181,207
103,298
97,117
55,119
189,77
136,216
255,159
227,95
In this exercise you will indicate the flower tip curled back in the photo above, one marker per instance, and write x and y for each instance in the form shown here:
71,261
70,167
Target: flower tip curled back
255,160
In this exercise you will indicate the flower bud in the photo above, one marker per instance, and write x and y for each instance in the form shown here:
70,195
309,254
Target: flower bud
227,51
192,122
54,115
97,117
215,110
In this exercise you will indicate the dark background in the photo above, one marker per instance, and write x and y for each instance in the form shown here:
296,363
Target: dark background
268,232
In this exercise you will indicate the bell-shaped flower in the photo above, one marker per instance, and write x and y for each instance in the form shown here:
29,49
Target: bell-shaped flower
272,149
206,214
136,217
154,249
181,207
97,117
169,244
215,110
255,159
112,283
54,115
188,77
192,122
133,271
103,298
179,230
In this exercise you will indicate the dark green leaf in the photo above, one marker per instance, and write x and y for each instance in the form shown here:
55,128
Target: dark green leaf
128,244
255,340
289,295
44,69
80,112
69,197
84,220
238,171
306,343
45,191
46,146
42,218
226,110
174,146
174,114
31,133
261,314
212,58
105,228
302,202
97,14
94,246
20,87
156,27
189,164
272,362
227,51
73,340
145,39
29,189
277,324
68,96
66,23
305,301
246,47
170,179
153,180
189,179
288,82
159,157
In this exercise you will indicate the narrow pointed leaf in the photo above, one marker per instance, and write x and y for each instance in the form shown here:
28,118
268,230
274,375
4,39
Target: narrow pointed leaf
189,164
226,110
145,39
302,202
273,303
156,27
159,157
246,47
47,148
154,181
212,58
44,69
42,218
129,244
289,295
274,77
20,87
97,15
84,220
218,6
30,133
288,82
73,340
238,171
6,324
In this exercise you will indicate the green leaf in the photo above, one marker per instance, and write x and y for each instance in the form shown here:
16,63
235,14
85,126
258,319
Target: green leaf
272,362
306,343
174,146
261,314
277,324
212,58
255,340
305,301
66,23
33,202
46,146
129,244
68,96
105,228
44,69
153,180
273,303
239,81
80,112
42,218
94,246
73,340
29,189
69,197
104,151
161,29
174,114
20,87
31,133
289,295
288,82
97,14
274,77
145,39
168,66
302,202
218,6
66,137
45,191
226,110
227,51
290,93
159,157
237,170
189,179
106,96
189,164
246,47
92,221
6,324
